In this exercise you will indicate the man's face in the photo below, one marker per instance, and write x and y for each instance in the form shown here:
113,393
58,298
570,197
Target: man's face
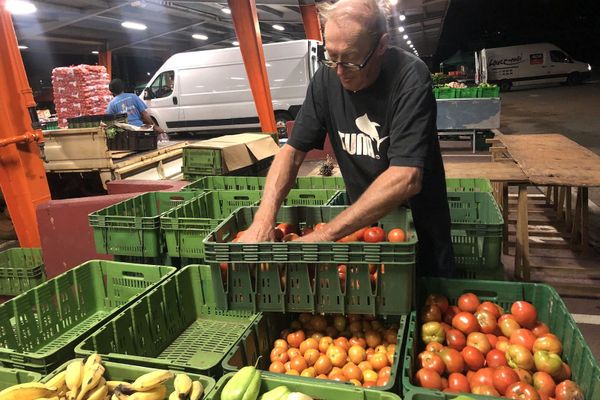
348,42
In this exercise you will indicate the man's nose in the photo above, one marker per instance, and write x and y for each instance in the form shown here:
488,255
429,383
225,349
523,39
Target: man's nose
339,70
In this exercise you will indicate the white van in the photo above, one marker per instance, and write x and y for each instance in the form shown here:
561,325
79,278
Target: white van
209,90
529,64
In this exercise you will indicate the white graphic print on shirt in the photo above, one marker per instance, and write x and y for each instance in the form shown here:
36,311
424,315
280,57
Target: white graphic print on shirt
367,142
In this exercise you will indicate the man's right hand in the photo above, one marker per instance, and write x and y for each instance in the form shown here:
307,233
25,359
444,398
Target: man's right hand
258,232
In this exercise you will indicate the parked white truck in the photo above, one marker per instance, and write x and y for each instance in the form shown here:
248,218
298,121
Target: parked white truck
528,64
209,90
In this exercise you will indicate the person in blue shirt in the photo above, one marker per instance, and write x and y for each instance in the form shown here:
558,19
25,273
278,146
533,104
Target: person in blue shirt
130,104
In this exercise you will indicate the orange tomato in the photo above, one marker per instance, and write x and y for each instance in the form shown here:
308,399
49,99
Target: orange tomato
381,349
356,341
391,349
370,375
370,352
279,354
335,371
309,372
365,365
311,356
287,366
323,365
309,343
324,343
277,367
281,343
382,381
379,360
357,354
396,235
390,336
385,371
293,372
351,371
298,363
355,382
368,384
342,342
373,338
294,339
293,352
322,376
340,377
337,355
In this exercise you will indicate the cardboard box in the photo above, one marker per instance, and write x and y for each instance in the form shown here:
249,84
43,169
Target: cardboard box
228,154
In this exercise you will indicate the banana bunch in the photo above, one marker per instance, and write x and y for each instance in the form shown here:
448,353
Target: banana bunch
85,381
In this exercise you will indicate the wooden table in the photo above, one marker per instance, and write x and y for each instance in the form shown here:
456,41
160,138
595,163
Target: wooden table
559,163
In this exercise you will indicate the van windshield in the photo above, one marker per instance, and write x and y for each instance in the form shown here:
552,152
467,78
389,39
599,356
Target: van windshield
559,56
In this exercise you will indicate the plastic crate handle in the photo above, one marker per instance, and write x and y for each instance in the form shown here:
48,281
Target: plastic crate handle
133,275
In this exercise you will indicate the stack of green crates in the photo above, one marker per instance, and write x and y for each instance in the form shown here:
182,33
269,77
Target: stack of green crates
20,269
550,308
199,162
132,227
40,328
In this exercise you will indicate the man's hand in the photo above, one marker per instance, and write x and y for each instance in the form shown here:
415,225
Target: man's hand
158,129
322,235
258,232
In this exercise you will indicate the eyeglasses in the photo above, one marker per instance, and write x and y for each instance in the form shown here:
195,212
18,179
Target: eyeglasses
348,65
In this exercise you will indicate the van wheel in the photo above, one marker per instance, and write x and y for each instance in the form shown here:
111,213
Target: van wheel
505,86
281,119
574,79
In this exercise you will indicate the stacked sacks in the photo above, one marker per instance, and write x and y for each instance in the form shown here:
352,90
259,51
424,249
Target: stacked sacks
80,90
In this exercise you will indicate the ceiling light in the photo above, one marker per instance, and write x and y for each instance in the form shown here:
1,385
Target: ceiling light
225,10
400,29
23,47
20,7
134,25
393,2
278,27
405,37
409,42
235,43
148,73
402,17
95,52
412,46
199,36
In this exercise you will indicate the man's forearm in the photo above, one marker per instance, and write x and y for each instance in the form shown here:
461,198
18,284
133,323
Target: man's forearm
279,181
146,118
388,191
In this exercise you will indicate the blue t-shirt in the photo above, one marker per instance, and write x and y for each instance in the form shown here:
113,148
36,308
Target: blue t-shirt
128,103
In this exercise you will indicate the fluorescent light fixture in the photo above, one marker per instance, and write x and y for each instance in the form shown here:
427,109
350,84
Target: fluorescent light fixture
409,42
278,80
23,47
20,7
198,36
236,78
267,65
278,27
235,43
95,52
148,73
404,37
393,2
402,17
400,29
226,10
134,25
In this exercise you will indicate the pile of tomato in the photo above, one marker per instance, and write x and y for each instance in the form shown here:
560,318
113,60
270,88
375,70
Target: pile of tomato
353,348
476,347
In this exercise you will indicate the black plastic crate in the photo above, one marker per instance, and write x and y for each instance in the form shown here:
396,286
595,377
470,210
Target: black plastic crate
133,141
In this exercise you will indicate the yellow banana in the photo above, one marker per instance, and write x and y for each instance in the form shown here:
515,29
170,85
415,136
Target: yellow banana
174,396
197,390
27,391
91,377
92,360
183,385
116,396
158,393
74,377
59,381
151,380
99,392
48,398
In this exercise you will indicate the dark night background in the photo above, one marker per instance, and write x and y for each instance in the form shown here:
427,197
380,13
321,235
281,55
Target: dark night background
572,25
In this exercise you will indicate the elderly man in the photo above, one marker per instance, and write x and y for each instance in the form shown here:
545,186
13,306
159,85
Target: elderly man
377,106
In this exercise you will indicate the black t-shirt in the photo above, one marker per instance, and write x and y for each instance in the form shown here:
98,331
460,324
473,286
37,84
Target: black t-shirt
390,123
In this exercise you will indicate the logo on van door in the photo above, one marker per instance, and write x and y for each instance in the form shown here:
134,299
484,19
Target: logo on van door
506,61
366,143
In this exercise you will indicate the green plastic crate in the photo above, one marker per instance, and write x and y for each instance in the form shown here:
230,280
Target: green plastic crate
218,247
322,390
467,93
258,183
132,227
204,162
551,310
178,325
259,342
469,185
20,270
10,377
40,328
488,91
477,225
446,93
186,226
129,373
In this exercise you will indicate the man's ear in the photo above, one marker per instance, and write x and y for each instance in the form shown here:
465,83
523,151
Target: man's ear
383,44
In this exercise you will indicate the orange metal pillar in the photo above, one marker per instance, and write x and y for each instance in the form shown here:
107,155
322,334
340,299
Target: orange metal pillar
105,58
22,174
310,18
245,21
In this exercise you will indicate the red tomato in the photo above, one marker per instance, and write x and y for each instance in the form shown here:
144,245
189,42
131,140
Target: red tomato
540,329
495,358
479,341
458,383
565,373
493,308
524,376
432,361
360,234
485,390
434,347
456,339
348,238
438,300
294,339
493,339
285,228
518,356
452,359
508,325
430,313
544,384
483,377
568,390
486,320
428,378
548,342
503,378
465,322
396,235
525,313
468,302
473,358
374,235
521,391
523,337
